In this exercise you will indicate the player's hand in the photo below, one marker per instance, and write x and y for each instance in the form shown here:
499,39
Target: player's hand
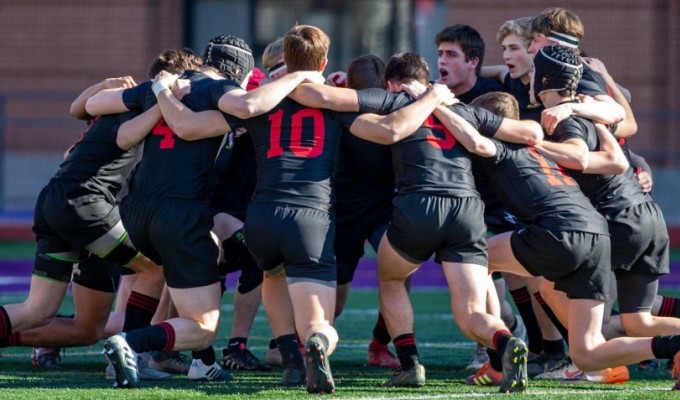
277,73
552,116
444,94
584,98
167,78
596,65
123,82
337,79
181,88
645,180
414,88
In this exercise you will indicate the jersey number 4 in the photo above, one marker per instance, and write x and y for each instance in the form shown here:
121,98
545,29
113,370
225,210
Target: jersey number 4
162,129
296,146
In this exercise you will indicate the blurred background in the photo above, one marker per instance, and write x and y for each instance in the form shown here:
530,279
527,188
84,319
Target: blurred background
52,50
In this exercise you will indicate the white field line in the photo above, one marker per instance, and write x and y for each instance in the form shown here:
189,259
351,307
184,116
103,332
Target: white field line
530,392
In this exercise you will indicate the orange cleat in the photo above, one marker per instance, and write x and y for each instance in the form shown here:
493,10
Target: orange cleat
485,376
607,376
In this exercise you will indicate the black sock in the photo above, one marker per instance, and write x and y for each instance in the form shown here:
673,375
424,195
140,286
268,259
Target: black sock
553,318
5,323
238,342
522,300
152,338
206,355
495,359
500,341
407,351
665,346
670,307
380,332
553,348
290,355
139,311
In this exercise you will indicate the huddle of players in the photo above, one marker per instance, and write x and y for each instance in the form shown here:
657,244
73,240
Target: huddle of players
167,219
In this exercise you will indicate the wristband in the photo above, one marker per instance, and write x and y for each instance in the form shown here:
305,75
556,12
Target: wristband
158,87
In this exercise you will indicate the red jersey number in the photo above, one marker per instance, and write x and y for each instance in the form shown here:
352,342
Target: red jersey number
296,146
553,180
162,129
445,143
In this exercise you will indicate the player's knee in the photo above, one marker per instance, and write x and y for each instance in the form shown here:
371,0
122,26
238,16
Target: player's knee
636,324
583,359
87,335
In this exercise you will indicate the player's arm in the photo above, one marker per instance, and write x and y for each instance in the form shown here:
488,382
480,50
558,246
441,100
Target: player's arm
135,130
628,126
519,131
604,110
324,96
390,128
471,139
107,101
643,171
571,154
465,133
78,106
183,121
242,104
497,72
610,159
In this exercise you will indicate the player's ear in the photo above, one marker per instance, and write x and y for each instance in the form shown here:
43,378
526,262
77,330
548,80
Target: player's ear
324,62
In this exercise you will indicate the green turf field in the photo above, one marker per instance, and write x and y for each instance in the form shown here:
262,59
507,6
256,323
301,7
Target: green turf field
444,352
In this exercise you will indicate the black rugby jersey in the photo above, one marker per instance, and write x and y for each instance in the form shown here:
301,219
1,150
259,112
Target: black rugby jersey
430,160
236,184
482,86
537,191
608,193
172,167
95,165
520,92
364,171
296,149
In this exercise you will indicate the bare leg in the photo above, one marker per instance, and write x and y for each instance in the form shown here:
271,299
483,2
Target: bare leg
44,298
395,304
199,313
84,329
245,309
588,348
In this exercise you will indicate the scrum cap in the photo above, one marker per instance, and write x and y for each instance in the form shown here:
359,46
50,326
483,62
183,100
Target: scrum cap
231,55
556,68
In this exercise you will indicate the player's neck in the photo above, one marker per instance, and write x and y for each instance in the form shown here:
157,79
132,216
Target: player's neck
551,99
464,86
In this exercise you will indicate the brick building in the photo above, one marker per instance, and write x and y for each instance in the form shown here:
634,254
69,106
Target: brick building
52,50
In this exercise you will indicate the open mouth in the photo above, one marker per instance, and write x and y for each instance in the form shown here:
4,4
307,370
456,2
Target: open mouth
443,73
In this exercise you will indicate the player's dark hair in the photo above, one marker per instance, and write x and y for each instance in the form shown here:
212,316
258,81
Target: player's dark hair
366,71
175,61
405,66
